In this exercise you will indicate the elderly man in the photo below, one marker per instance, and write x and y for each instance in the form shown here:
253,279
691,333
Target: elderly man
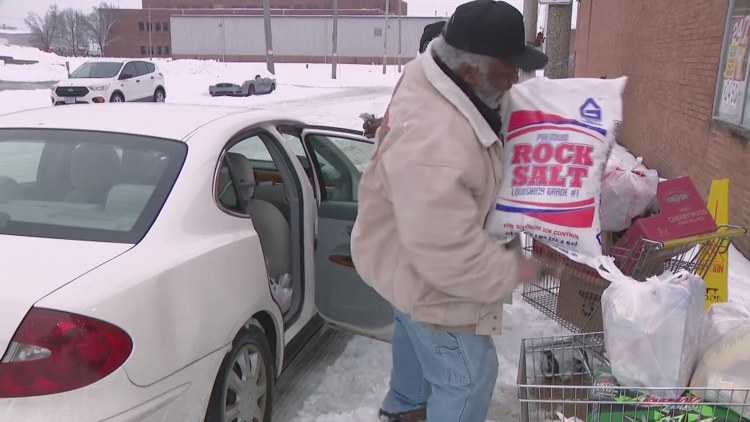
423,200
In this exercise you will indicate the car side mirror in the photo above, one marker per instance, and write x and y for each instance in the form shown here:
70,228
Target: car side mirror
125,76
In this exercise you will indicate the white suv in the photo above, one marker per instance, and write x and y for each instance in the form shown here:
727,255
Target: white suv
111,81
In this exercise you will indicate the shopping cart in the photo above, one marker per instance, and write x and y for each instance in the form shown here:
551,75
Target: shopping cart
564,378
570,292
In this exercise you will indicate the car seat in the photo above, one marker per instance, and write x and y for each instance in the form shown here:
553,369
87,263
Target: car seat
270,224
94,169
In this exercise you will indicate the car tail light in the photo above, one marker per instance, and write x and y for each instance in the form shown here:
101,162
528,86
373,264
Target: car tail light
53,352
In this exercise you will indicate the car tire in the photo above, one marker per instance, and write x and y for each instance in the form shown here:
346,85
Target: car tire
273,88
159,95
249,368
116,98
251,90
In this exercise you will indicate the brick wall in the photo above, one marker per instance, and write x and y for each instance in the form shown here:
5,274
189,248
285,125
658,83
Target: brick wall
670,50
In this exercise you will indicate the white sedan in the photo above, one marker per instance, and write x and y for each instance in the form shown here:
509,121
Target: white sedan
159,261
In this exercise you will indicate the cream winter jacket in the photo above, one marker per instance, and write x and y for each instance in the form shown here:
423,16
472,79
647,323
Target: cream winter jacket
423,200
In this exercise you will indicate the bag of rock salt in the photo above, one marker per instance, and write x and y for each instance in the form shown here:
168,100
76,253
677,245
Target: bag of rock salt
557,137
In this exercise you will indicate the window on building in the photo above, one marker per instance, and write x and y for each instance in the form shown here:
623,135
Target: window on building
148,26
143,50
165,26
158,26
378,32
141,26
732,101
158,50
166,50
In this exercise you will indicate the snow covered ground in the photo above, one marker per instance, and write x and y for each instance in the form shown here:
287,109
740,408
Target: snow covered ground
354,385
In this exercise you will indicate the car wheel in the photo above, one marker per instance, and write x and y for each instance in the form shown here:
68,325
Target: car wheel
159,96
243,389
116,98
251,90
273,87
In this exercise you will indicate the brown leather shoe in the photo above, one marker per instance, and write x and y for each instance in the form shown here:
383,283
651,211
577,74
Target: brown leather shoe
416,415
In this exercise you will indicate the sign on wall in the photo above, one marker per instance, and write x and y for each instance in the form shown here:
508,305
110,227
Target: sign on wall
734,84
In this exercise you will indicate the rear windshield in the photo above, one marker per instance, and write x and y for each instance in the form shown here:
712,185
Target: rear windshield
82,185
97,70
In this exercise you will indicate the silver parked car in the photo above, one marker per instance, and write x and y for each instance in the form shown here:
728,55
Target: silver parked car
259,85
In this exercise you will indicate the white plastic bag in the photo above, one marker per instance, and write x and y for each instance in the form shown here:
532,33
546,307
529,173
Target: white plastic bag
282,292
620,157
724,364
558,135
627,192
652,329
720,320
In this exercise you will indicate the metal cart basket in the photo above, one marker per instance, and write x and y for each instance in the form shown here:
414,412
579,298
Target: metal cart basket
564,378
570,292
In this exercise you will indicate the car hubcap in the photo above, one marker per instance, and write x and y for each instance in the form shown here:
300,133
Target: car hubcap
117,99
246,387
159,97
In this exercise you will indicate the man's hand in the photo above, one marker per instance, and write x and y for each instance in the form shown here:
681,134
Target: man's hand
371,126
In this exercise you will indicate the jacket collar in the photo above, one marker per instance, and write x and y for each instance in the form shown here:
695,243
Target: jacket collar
456,96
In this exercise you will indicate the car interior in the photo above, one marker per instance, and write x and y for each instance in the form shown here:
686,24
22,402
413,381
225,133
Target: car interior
250,183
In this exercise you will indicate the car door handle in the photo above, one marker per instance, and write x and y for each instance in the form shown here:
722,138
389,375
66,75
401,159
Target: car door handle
137,80
344,260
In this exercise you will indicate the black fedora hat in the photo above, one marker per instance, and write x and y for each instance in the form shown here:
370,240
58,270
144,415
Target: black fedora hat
494,29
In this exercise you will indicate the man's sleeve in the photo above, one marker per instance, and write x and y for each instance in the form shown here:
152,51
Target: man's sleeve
436,218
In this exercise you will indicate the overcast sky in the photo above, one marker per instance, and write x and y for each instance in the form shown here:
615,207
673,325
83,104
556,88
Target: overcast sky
13,12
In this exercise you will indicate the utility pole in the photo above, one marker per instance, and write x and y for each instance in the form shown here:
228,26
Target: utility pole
385,38
150,45
399,37
223,41
559,18
269,40
334,55
530,8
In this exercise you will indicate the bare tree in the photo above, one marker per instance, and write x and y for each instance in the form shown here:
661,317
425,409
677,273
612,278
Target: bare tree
46,28
99,25
74,33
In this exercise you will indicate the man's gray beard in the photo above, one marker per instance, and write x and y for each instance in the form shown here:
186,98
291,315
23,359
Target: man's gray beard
488,95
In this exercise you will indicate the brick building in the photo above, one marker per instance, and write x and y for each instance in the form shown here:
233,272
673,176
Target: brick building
686,108
137,29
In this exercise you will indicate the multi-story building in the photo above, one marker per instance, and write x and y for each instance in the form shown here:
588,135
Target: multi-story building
137,31
686,106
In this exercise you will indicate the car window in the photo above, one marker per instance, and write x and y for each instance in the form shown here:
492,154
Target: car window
81,185
269,183
141,68
97,70
129,69
340,162
19,161
151,67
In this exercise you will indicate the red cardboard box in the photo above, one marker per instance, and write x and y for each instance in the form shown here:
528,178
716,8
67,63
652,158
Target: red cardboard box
682,213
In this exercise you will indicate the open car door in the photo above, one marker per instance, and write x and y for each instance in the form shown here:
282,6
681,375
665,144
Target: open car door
339,157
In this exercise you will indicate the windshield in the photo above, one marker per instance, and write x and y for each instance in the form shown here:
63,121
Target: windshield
82,185
97,70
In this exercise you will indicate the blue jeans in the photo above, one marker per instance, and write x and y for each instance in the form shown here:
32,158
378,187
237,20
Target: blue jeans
453,375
